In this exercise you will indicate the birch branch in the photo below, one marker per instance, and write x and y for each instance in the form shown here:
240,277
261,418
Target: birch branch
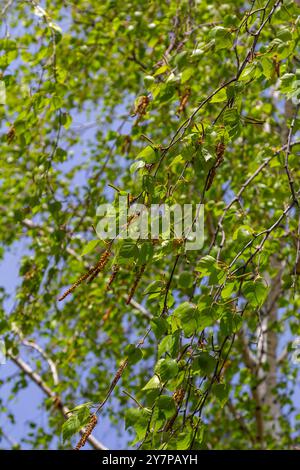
37,379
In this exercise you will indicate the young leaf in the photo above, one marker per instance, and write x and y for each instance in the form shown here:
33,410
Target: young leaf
166,369
89,247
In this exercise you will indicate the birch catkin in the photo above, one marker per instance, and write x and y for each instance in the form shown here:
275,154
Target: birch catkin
90,274
88,431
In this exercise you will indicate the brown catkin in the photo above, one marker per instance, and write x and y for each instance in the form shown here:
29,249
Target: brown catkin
115,270
88,431
91,273
210,178
100,265
220,149
135,284
178,395
76,284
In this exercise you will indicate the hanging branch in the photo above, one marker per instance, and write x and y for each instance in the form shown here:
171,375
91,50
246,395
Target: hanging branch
57,401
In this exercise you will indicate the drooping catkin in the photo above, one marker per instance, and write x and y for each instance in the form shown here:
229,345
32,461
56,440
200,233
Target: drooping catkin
220,149
76,284
88,431
210,178
89,275
135,284
115,270
100,265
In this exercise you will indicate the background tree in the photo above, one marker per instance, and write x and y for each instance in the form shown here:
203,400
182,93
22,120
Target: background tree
163,102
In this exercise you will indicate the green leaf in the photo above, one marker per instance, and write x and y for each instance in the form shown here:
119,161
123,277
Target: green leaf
230,323
153,383
137,418
187,74
133,353
207,265
207,159
251,71
268,67
145,252
88,404
183,440
66,120
148,183
221,392
290,86
242,233
159,326
219,97
128,249
228,290
206,317
187,313
222,37
167,405
61,154
166,369
153,287
232,122
148,155
137,166
169,344
284,35
186,279
89,247
286,82
164,93
79,418
204,363
161,70
255,292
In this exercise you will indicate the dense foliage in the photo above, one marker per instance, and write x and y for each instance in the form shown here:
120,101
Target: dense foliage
162,102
